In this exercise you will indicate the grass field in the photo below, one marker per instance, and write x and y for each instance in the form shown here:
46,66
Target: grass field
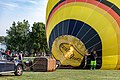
66,74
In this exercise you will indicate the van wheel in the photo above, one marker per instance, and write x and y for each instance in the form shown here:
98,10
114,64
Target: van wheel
19,70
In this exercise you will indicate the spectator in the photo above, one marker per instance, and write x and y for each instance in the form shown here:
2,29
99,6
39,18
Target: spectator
20,55
8,52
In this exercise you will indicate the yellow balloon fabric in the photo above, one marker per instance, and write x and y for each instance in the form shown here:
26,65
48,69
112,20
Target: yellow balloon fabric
76,27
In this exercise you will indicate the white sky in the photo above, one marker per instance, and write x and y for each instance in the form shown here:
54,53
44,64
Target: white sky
18,10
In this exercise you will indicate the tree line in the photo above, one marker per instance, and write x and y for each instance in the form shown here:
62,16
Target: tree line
23,37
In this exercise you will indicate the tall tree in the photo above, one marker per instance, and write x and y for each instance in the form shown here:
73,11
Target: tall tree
2,39
20,38
17,36
38,37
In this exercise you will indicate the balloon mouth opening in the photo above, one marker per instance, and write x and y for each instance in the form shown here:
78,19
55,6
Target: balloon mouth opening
69,50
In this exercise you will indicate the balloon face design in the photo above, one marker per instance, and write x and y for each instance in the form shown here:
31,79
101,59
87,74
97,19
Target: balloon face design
76,27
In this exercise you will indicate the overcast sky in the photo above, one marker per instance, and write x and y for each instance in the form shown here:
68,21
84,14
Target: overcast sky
18,10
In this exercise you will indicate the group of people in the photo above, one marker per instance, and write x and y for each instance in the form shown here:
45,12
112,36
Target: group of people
93,57
19,55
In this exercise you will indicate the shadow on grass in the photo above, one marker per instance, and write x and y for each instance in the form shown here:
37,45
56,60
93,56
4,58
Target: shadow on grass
7,75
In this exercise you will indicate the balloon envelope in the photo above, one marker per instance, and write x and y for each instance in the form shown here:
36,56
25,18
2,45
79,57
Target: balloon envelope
76,27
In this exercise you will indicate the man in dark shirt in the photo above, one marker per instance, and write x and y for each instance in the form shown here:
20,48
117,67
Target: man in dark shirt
93,57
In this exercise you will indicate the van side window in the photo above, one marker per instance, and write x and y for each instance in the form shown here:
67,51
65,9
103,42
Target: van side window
0,56
4,56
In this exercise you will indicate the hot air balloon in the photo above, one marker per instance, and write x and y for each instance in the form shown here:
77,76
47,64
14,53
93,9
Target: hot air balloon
75,27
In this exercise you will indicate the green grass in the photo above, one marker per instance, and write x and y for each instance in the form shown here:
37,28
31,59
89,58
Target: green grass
66,74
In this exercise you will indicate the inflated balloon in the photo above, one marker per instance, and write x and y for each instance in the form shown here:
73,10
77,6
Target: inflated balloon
76,27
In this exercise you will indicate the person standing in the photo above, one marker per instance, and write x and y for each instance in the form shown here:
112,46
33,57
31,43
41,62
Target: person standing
8,52
93,62
20,55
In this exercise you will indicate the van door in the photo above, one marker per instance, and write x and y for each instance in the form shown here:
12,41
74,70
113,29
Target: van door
2,64
10,66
